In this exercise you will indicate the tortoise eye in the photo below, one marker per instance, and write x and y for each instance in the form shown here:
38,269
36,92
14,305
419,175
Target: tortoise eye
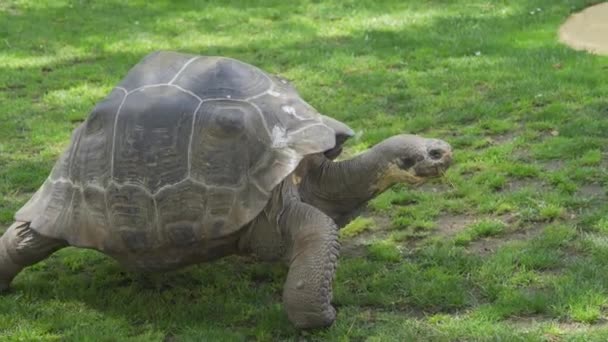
436,153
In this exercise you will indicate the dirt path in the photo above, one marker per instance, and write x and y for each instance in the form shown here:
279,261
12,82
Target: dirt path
587,30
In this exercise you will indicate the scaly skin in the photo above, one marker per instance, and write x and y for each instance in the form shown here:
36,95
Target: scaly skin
8,269
340,188
313,259
307,240
20,246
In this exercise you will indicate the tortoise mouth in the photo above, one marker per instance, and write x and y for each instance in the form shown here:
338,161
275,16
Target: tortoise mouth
423,178
436,171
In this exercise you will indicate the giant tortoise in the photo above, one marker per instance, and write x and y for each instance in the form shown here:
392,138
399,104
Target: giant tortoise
193,158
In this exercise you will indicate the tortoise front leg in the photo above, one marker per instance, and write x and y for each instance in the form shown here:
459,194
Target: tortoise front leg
313,250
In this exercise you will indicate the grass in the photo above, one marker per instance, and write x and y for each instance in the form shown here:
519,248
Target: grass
478,230
511,245
356,227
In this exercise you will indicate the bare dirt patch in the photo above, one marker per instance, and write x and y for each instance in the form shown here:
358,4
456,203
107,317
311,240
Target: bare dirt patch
450,225
433,187
554,165
503,138
592,190
518,184
489,245
587,30
530,323
523,155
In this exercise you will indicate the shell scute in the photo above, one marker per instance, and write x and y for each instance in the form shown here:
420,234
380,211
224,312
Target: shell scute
152,138
93,152
220,77
164,64
180,211
132,215
228,136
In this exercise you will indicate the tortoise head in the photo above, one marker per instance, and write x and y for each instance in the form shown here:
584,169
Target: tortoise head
413,159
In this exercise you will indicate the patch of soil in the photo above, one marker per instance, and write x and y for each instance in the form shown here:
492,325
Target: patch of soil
523,155
592,190
553,165
450,225
433,187
587,30
503,138
518,184
489,245
527,323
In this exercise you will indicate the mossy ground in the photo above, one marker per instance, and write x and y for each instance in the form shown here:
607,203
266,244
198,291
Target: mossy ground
511,245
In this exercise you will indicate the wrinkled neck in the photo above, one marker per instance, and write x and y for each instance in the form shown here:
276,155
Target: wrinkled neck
340,188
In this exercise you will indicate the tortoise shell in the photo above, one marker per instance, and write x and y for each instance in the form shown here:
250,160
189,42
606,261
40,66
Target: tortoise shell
185,149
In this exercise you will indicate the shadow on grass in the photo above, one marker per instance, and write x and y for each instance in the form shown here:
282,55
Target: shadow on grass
243,294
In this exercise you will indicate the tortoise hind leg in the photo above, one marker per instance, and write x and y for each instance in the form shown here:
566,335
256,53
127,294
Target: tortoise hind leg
21,246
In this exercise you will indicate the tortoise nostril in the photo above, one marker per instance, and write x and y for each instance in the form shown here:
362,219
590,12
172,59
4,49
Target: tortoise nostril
436,153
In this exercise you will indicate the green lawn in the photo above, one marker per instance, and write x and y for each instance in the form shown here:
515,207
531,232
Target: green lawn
511,245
